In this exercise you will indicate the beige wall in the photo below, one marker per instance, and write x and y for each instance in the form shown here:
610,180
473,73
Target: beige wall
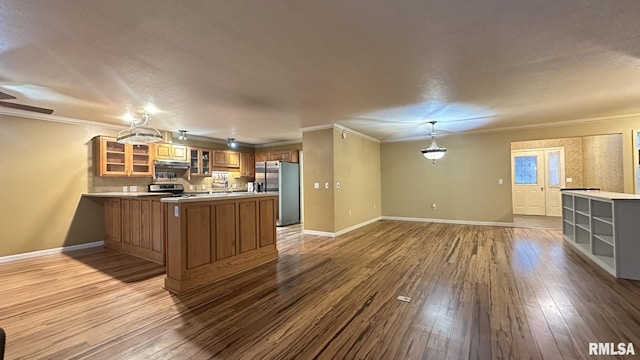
46,167
45,171
318,167
572,155
357,169
602,162
464,184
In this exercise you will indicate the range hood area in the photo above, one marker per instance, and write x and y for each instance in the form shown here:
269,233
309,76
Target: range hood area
171,164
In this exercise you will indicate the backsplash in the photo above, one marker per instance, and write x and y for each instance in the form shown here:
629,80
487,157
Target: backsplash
195,184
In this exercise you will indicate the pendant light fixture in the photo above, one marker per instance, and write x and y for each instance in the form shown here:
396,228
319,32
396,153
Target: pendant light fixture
231,143
140,132
433,152
183,135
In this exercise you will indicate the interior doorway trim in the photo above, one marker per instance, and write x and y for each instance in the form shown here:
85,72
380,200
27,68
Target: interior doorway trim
537,175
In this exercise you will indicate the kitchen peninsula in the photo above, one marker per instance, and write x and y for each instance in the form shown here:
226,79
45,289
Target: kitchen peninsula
210,237
134,223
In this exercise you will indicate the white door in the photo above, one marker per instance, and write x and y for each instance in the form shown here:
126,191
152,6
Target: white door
554,180
537,177
527,181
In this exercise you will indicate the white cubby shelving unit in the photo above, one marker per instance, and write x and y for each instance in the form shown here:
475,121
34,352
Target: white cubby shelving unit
605,226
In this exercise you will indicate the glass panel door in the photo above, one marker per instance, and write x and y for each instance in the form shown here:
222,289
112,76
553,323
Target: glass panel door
554,159
526,169
206,161
553,170
528,182
194,163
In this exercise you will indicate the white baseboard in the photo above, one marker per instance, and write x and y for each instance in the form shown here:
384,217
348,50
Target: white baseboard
33,254
318,233
341,232
357,226
444,221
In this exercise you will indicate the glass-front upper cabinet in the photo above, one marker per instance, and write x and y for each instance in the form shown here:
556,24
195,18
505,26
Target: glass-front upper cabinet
200,160
114,159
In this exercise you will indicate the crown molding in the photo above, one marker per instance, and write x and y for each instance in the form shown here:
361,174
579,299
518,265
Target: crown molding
280,143
522,127
59,119
317,127
354,132
339,127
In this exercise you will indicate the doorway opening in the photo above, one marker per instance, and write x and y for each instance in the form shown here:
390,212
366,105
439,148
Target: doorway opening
537,175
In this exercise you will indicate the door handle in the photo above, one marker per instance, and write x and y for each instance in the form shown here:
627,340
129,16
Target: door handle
541,188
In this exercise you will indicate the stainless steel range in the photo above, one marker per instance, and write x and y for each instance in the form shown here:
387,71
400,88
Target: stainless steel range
174,189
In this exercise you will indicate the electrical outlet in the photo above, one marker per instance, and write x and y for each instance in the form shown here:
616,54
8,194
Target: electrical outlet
316,185
133,188
338,185
233,186
204,186
125,189
500,182
190,187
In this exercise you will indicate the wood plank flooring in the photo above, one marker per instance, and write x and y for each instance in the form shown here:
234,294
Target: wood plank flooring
477,292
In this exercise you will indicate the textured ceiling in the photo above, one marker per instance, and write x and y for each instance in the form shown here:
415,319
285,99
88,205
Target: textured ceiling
260,70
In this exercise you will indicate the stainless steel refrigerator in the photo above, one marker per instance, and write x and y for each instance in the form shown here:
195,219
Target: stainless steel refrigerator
283,177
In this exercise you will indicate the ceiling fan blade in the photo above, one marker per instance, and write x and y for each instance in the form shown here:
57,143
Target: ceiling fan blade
5,96
26,107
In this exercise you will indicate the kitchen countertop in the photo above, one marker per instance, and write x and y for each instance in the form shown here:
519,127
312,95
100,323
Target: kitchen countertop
125,194
215,196
605,195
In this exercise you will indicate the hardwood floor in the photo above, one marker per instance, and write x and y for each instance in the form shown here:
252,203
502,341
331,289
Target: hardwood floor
476,292
538,222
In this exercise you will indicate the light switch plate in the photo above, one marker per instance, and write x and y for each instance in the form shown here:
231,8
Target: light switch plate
326,185
133,188
316,185
569,180
500,182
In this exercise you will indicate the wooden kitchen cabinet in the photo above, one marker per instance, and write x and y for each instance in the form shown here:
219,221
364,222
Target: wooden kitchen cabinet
284,155
209,239
114,159
278,155
142,228
200,161
247,165
223,159
171,152
262,156
112,223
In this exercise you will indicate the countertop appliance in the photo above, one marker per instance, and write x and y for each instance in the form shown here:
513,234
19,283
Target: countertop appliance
283,177
174,189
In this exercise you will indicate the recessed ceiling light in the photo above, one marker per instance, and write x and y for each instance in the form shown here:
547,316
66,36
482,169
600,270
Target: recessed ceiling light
150,109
